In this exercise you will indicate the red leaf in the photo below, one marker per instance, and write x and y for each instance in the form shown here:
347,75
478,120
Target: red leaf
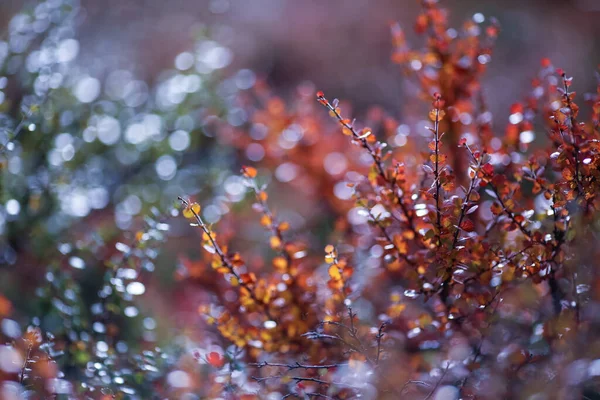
488,169
546,62
467,225
215,359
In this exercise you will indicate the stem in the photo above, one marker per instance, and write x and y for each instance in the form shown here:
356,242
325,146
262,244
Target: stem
436,173
297,365
376,160
438,383
478,349
573,137
273,226
379,337
25,362
463,212
510,214
224,260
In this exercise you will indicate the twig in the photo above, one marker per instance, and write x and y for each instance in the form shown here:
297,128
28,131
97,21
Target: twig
324,396
463,212
306,379
224,260
480,345
362,139
378,337
437,383
573,121
510,214
436,171
273,225
413,382
25,362
297,365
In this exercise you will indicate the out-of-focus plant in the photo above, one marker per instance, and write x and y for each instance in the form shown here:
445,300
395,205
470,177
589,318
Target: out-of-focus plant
461,259
90,167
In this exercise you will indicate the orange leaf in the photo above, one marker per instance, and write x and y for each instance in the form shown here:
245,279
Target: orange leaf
280,263
265,220
275,242
249,172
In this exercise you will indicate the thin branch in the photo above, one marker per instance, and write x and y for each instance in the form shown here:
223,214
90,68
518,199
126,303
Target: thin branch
510,214
324,396
297,365
480,345
437,383
362,139
224,260
378,337
275,229
25,362
463,212
436,172
297,379
413,382
573,121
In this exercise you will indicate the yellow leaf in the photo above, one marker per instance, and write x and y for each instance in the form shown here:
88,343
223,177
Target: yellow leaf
334,273
192,210
280,264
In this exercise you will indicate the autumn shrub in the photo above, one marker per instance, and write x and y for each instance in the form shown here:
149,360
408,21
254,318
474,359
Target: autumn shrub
461,259
352,258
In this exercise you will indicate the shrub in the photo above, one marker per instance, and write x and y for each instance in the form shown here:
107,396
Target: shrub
454,262
464,267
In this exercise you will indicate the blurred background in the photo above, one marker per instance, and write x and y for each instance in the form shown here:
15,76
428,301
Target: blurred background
341,46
